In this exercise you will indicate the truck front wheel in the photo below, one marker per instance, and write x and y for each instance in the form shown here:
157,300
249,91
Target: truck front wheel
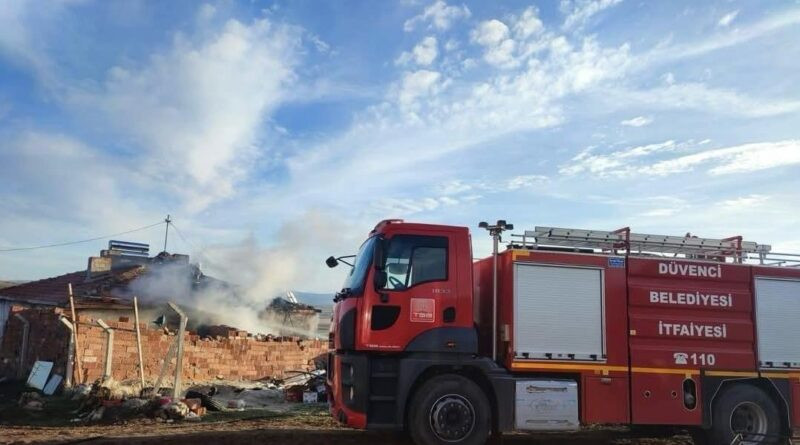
449,409
748,412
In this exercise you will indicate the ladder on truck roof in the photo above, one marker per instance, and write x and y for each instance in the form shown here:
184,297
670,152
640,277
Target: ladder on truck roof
624,241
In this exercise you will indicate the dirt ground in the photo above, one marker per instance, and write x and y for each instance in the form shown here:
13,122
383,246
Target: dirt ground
271,424
304,426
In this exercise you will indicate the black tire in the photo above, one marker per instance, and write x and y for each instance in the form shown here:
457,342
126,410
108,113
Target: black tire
742,408
449,409
699,436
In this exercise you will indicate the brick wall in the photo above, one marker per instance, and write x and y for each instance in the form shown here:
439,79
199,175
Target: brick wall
48,339
229,354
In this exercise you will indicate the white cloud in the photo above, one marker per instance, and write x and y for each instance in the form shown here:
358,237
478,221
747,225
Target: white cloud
428,117
439,14
720,161
55,188
528,23
196,109
580,11
726,39
405,207
616,163
501,55
745,202
20,42
728,18
699,96
490,33
638,121
82,184
493,35
417,84
424,53
454,187
660,212
754,157
525,181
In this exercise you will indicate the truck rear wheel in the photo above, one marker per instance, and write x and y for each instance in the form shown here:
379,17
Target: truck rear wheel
748,411
449,409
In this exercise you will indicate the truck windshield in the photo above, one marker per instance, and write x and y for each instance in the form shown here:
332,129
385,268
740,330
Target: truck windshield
354,283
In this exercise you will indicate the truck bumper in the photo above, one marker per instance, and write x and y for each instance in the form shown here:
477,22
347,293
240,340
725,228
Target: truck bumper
347,377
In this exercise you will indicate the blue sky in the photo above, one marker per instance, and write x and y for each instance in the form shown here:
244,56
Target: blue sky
276,133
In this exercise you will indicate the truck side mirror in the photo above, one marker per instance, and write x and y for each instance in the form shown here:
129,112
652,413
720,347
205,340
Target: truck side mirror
380,279
332,262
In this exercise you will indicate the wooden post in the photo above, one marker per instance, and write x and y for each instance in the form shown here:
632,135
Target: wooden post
176,389
77,363
138,341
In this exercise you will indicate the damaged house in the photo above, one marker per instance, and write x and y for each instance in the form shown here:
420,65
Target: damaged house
31,325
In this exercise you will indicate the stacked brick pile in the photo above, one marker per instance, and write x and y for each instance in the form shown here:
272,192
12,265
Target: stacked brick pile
229,355
235,356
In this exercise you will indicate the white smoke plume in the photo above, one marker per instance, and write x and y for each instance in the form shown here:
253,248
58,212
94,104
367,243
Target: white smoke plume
295,261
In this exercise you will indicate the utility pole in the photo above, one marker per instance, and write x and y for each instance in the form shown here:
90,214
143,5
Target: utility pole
166,232
495,231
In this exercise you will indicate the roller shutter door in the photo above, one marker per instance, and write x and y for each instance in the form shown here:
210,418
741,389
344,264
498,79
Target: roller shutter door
777,322
558,310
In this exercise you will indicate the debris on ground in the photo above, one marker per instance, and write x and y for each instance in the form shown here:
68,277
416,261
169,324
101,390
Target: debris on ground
237,404
111,402
301,386
307,387
176,410
31,401
80,391
230,397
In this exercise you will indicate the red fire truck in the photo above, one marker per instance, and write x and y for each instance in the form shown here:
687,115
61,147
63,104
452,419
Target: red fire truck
562,329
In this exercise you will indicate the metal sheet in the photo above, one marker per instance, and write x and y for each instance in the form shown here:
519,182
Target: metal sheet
558,310
38,377
777,312
52,384
543,405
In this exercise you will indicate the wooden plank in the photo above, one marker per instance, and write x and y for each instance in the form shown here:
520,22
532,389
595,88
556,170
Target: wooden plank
138,341
77,362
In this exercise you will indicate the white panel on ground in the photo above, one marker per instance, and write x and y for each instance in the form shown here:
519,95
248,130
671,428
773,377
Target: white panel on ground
39,374
777,315
558,310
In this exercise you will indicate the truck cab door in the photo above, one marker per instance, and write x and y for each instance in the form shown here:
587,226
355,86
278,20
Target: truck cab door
419,292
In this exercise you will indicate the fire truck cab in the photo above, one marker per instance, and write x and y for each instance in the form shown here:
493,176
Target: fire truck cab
562,329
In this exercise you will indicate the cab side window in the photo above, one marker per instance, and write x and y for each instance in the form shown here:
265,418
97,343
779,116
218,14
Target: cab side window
415,259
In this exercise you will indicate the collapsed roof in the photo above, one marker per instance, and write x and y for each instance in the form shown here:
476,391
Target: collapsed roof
110,280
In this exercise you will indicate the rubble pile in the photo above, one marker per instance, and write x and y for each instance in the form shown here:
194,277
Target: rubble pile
112,402
31,401
307,387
